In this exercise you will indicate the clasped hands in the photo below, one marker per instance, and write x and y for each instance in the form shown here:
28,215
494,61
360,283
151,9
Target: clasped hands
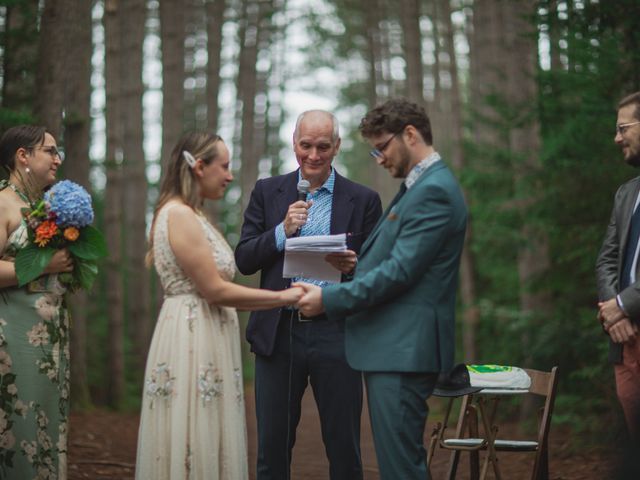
615,321
310,301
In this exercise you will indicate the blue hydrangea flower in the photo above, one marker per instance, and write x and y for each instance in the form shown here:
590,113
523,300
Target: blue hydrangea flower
71,203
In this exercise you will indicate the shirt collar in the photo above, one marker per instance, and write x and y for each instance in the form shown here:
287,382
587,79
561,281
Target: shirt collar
420,168
329,182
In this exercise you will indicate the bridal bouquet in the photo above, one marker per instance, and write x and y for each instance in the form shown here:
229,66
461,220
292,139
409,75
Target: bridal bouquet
61,219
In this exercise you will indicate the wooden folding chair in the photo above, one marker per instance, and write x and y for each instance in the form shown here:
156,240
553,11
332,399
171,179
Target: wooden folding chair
542,384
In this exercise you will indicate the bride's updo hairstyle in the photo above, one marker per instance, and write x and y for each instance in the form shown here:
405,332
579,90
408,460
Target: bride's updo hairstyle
178,179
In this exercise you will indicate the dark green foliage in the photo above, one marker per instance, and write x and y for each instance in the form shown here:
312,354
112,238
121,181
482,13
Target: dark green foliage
581,170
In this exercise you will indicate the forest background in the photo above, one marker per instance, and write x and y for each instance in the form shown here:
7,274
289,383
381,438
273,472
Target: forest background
522,95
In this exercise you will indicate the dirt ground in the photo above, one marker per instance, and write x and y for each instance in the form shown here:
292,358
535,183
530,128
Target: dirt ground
103,446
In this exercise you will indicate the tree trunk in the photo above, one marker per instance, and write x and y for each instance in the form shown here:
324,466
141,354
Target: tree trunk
50,67
524,142
485,68
113,201
215,20
20,52
555,34
135,179
253,12
410,20
276,111
438,106
172,31
470,310
377,90
77,126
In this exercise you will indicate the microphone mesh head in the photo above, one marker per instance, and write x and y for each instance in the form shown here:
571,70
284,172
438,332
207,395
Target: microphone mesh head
303,186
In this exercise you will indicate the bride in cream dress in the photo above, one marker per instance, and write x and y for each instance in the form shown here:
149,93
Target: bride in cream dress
192,422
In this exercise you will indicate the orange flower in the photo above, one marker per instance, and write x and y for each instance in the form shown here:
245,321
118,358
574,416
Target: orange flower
45,232
71,233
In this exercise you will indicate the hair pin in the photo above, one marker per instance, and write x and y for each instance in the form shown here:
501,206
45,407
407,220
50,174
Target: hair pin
189,159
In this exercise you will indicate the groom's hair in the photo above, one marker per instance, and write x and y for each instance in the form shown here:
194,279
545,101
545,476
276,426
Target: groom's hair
393,116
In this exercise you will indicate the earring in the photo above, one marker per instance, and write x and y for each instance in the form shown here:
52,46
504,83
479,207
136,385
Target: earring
27,170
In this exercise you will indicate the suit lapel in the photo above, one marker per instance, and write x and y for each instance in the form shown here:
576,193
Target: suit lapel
396,202
376,229
286,193
341,208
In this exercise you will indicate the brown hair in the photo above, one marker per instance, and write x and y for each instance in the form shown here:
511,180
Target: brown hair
21,136
633,99
392,116
178,179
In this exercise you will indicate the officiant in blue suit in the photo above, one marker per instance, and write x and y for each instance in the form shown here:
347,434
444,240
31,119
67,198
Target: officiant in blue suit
400,302
291,349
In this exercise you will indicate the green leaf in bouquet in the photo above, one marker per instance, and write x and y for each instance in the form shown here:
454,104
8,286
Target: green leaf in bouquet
85,272
31,262
90,245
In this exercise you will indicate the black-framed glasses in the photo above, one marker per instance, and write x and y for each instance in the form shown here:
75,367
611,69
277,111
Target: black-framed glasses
379,152
623,127
51,150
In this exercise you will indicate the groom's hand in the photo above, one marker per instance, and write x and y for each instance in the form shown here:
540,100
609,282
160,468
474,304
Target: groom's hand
311,302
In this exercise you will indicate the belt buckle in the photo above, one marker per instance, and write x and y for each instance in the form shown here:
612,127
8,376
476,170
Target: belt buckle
302,319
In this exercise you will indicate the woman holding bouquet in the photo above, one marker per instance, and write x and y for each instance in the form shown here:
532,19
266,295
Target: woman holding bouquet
193,423
34,340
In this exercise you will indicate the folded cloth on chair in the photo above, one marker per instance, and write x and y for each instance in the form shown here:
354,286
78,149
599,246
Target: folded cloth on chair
498,376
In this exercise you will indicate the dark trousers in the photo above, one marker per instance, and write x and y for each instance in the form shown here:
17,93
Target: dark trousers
310,351
398,410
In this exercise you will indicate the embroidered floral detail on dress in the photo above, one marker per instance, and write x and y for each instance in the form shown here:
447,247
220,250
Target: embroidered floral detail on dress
38,335
41,452
191,314
237,379
160,383
5,362
187,461
47,306
209,383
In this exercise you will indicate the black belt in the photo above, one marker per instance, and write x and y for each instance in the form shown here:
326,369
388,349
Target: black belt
300,317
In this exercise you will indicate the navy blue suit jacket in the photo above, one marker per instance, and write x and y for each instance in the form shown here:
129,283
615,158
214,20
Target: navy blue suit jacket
355,210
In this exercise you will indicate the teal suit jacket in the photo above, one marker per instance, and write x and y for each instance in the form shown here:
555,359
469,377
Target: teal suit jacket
400,305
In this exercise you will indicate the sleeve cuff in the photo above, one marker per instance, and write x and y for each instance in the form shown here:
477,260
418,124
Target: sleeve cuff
281,237
621,305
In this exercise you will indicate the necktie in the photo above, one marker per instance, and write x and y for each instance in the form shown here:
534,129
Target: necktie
401,192
630,250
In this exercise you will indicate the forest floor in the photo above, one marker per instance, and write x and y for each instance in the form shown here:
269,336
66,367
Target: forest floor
102,446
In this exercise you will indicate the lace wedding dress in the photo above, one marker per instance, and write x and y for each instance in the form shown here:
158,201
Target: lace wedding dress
192,423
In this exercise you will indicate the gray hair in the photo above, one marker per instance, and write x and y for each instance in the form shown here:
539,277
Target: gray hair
335,134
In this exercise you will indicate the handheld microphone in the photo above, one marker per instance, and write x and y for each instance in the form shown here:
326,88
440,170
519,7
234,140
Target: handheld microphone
303,190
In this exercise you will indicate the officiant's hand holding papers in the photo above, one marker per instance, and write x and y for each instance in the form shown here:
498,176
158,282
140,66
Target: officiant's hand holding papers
344,261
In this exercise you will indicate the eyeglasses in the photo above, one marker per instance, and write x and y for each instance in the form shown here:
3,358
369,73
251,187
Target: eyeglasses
623,127
51,150
378,152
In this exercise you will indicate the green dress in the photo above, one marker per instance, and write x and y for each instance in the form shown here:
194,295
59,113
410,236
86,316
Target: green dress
34,375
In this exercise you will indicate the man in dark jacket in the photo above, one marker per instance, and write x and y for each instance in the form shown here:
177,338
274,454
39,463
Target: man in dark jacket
617,271
292,350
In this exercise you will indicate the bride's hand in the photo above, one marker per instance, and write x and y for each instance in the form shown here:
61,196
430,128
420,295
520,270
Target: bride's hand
290,296
60,262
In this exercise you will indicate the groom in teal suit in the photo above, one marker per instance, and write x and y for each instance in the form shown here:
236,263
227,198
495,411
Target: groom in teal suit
400,305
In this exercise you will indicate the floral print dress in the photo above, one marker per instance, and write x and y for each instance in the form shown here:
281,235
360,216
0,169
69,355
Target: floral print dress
34,375
192,423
